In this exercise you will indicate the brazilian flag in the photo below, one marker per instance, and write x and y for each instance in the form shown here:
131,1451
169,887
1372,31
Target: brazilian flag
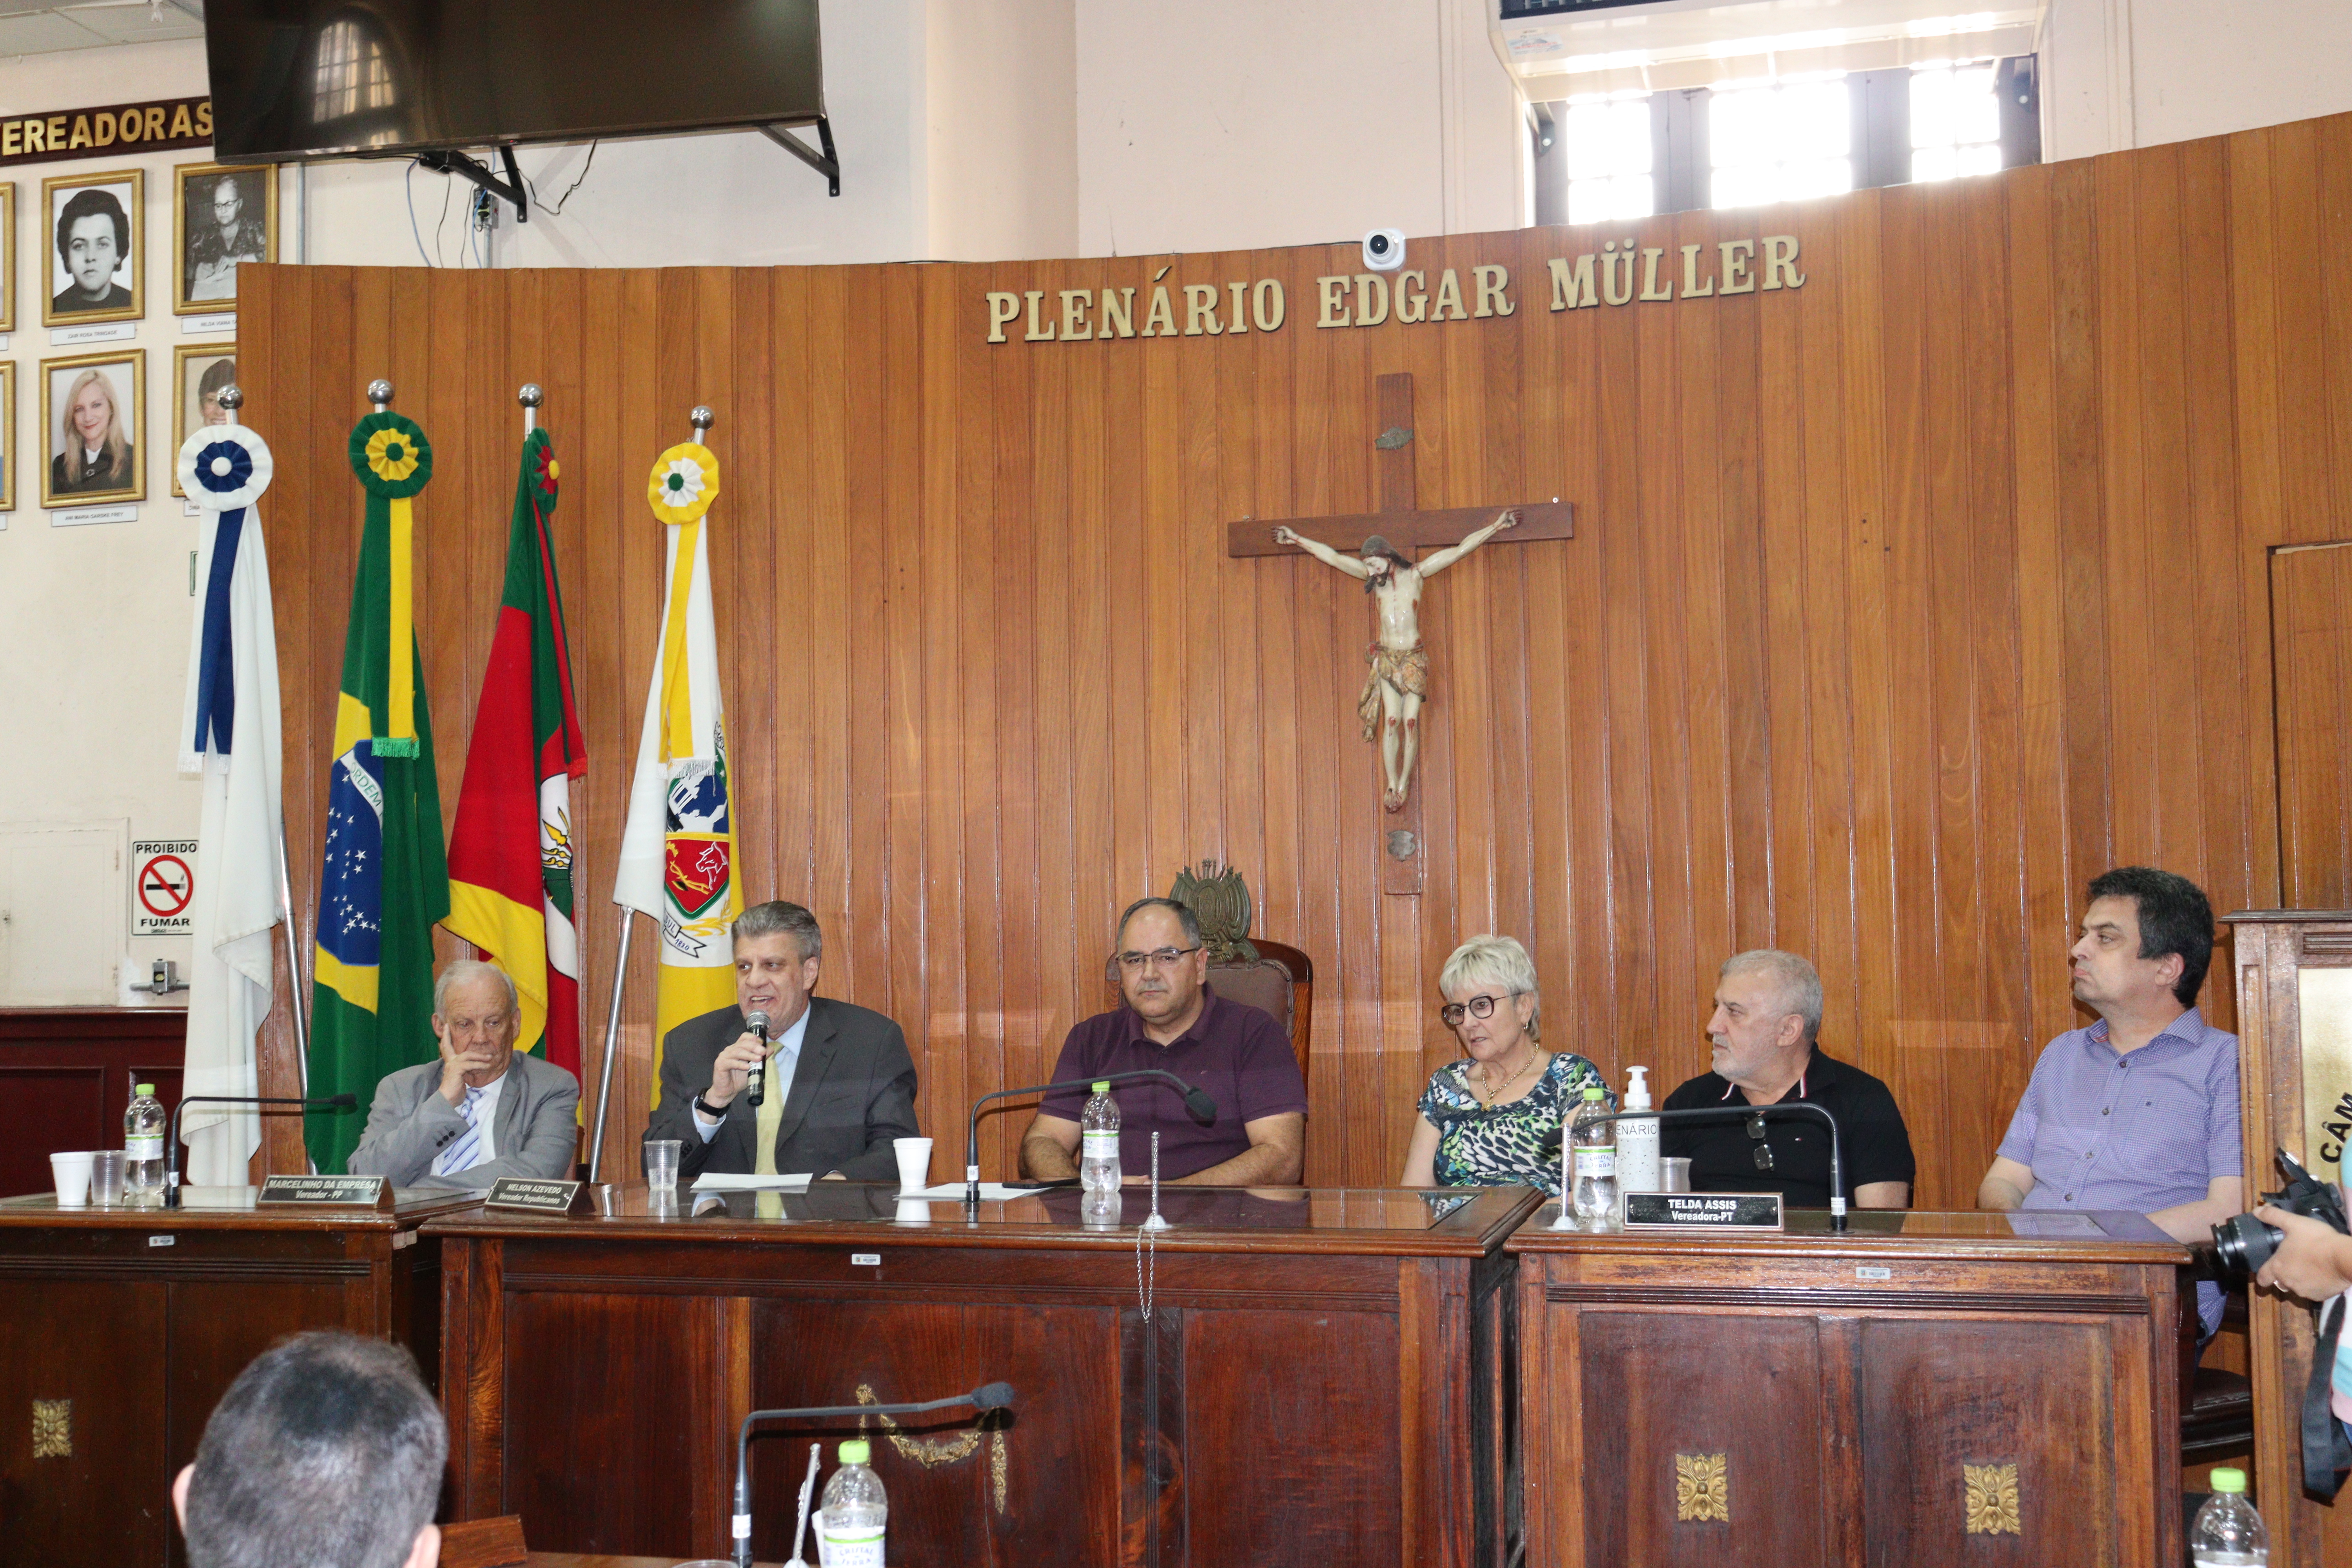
384,881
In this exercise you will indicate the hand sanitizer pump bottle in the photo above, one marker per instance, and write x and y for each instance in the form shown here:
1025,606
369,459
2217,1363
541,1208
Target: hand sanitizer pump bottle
1638,1170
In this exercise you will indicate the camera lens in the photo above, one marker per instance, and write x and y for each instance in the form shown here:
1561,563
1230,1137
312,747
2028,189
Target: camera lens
2245,1243
1379,244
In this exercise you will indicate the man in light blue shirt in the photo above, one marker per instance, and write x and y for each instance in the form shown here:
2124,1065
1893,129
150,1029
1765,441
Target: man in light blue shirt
2138,1111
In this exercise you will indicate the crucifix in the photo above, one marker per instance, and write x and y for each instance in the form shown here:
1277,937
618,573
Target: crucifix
1390,707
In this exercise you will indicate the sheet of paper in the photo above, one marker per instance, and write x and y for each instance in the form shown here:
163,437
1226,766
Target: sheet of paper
990,1192
716,1182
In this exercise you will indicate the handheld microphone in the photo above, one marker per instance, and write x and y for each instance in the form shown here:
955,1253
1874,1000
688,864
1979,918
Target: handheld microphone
987,1397
1197,1104
1787,1107
756,1089
172,1156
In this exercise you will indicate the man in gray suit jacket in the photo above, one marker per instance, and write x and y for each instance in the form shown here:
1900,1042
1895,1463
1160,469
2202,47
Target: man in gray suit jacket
482,1111
840,1083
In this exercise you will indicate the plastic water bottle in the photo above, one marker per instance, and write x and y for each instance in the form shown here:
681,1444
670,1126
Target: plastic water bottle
849,1526
1593,1163
1637,1141
1098,1169
142,1146
2228,1533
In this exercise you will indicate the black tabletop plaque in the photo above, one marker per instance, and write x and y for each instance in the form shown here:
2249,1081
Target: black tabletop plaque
328,1192
540,1196
1702,1211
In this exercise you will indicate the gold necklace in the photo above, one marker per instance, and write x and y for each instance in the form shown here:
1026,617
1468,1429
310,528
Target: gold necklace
1491,1094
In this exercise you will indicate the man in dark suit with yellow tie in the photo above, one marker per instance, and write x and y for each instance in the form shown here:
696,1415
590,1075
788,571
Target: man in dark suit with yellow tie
840,1082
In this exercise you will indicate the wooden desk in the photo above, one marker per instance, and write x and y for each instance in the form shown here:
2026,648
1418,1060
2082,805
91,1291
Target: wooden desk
1320,1381
136,1321
1833,1393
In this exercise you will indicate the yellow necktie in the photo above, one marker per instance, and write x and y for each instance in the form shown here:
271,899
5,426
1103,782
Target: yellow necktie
770,1117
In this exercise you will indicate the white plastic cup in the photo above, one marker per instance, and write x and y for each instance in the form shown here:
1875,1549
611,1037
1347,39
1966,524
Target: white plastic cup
106,1173
661,1164
914,1163
71,1172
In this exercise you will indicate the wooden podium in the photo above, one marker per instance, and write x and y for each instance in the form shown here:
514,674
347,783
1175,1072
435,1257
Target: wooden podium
1319,1380
2294,1043
1925,1389
124,1327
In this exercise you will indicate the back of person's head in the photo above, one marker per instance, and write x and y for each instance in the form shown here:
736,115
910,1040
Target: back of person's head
2174,917
326,1452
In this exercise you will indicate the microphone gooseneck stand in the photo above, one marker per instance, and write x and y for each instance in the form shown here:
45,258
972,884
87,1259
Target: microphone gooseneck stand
1197,1104
172,1148
987,1397
1837,1158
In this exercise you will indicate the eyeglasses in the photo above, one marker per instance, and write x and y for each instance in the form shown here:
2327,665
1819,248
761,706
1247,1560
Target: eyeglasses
1476,1007
1763,1151
1162,958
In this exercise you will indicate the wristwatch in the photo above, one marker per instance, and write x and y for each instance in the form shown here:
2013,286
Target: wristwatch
716,1112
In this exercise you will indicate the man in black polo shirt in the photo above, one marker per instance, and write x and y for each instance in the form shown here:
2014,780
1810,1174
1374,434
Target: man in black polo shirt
1767,1012
1173,1021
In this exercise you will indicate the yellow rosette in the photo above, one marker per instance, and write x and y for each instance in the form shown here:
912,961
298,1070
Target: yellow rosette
685,482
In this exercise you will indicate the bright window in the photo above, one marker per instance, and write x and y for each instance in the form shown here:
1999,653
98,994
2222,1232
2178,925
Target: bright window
1780,142
1608,147
1955,122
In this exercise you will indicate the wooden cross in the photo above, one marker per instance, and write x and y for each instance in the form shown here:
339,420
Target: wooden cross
1404,525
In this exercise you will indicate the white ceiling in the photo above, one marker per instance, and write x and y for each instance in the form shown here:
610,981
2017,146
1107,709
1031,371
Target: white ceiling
32,27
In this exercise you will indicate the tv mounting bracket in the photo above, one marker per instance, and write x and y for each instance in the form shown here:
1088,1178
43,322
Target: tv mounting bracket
510,189
825,163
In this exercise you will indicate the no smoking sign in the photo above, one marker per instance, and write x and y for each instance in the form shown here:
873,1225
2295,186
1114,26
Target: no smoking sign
162,881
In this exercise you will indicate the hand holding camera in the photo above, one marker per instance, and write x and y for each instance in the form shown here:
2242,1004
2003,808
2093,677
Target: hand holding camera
2298,1236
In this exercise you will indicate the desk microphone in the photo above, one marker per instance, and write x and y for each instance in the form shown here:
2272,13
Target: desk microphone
756,1080
987,1397
1793,1108
1202,1108
172,1150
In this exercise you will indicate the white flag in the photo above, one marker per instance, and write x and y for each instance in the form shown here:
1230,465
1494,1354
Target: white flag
229,734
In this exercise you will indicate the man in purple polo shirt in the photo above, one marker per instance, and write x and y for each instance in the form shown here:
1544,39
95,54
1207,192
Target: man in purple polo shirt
1175,1022
2140,1111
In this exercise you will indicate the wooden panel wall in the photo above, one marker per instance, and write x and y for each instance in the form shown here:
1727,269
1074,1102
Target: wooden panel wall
1899,606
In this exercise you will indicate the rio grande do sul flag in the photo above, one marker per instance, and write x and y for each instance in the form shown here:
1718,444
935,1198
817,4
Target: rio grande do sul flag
677,847
511,852
383,881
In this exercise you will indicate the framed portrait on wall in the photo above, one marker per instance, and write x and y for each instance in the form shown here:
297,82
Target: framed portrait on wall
97,240
92,406
199,370
8,264
8,435
222,215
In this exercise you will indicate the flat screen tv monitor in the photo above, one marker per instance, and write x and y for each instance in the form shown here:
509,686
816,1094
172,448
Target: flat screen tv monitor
316,78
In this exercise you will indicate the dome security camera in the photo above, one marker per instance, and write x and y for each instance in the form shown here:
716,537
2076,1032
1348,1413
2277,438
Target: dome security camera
1384,249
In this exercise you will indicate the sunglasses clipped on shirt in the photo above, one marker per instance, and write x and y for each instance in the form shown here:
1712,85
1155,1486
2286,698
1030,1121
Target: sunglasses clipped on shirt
1763,1151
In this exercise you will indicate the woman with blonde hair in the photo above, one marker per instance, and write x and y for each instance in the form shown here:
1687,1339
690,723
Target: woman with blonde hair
94,451
1484,1122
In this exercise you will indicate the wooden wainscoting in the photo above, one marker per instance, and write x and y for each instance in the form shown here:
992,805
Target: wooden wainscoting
65,1079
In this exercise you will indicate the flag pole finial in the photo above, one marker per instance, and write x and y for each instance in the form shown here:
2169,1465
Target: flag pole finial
230,398
703,419
380,394
530,397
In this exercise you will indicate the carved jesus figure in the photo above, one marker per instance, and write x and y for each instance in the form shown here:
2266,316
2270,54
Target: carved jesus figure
1390,707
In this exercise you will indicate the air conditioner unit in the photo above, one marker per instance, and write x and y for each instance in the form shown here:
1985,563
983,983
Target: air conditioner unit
1567,48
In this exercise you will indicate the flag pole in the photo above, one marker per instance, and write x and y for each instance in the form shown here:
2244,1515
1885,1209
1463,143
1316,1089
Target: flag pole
611,1034
231,399
703,419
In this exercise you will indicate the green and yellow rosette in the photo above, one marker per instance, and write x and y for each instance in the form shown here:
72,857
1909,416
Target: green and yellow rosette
393,460
683,483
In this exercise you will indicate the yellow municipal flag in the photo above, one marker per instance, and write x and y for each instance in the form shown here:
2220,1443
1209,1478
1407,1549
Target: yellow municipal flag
677,845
